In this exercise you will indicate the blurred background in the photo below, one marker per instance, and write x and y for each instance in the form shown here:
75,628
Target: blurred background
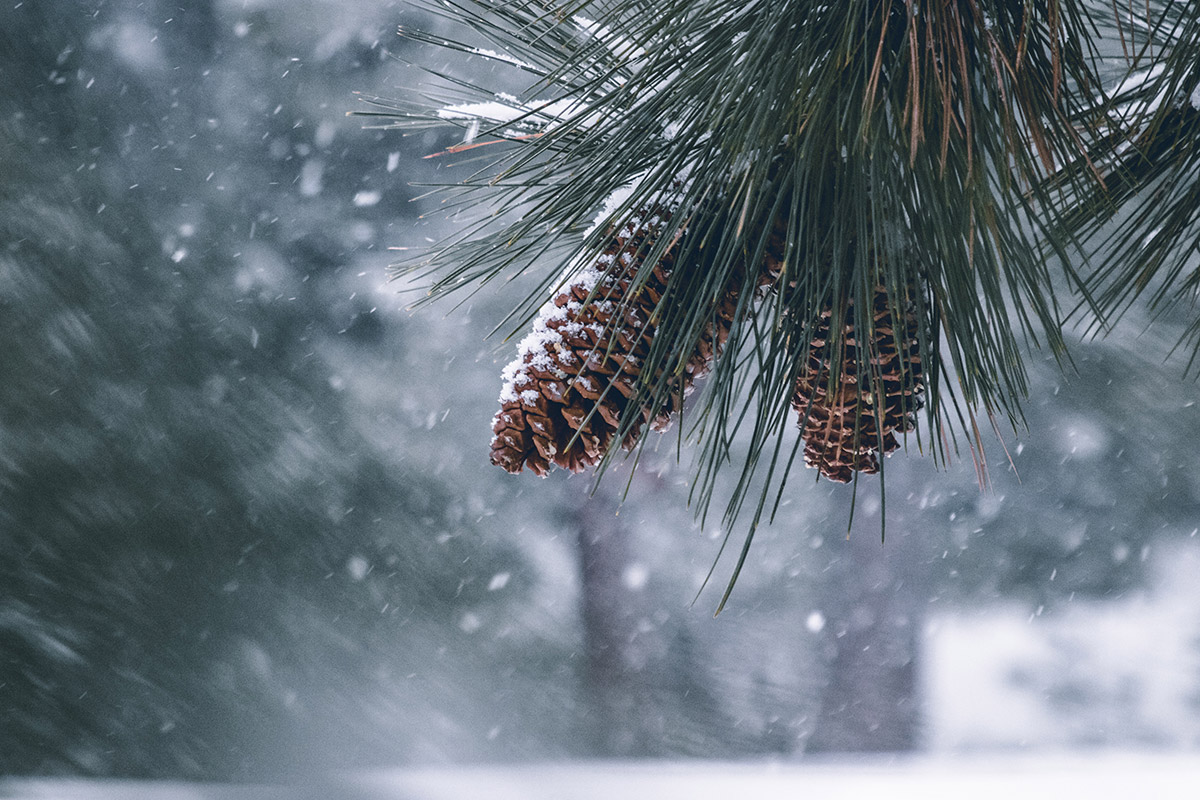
248,531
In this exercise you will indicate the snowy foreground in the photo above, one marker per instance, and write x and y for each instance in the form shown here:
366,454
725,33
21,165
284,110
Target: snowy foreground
1101,775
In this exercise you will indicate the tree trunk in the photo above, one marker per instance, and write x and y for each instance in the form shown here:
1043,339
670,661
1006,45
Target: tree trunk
615,674
873,624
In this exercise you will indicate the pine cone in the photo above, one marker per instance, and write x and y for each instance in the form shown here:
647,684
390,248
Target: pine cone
566,393
847,422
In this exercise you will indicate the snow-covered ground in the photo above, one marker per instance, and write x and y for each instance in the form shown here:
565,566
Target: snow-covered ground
1116,674
1097,776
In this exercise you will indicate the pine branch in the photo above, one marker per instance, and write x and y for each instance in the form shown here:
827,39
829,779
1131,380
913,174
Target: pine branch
1143,222
897,151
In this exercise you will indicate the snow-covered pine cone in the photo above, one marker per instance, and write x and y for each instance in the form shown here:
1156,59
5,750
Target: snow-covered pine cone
846,423
577,372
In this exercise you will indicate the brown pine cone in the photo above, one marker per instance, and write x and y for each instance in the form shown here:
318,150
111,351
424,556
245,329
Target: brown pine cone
847,420
565,395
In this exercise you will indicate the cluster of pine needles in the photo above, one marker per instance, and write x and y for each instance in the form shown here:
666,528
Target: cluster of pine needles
855,218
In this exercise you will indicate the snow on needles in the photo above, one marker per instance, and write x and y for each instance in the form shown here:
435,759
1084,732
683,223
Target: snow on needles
545,114
619,46
537,115
505,57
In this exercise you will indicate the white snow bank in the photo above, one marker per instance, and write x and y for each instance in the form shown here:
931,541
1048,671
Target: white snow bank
1115,674
1098,776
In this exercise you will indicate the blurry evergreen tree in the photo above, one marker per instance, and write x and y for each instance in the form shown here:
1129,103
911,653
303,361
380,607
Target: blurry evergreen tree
207,571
